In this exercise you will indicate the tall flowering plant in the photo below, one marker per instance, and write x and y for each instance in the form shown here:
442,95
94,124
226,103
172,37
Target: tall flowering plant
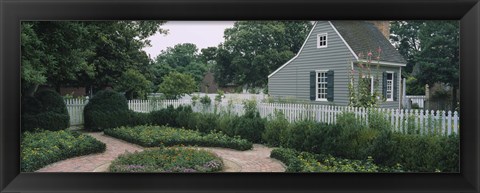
362,94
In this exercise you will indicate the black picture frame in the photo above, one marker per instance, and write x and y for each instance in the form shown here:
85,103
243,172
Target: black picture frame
14,11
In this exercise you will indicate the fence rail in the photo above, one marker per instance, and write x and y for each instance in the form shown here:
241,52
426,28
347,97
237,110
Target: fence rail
401,120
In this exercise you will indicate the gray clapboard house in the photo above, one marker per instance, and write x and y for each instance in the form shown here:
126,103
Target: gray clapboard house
320,71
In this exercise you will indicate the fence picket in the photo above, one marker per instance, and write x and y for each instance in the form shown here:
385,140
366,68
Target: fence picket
455,122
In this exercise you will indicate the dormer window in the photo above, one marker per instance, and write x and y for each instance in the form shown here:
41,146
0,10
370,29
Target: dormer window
322,40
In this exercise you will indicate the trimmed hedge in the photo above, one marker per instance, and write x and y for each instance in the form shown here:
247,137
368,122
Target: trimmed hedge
39,149
46,111
177,159
46,121
159,136
107,109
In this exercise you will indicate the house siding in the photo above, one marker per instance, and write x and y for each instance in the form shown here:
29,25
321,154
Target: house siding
292,81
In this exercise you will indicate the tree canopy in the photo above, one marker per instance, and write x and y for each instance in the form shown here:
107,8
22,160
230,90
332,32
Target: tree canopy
134,84
79,53
183,58
254,49
176,85
432,51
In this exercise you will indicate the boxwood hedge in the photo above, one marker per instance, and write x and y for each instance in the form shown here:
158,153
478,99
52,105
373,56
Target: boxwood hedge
158,136
45,110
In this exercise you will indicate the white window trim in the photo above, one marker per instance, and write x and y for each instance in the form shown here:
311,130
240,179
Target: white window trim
318,40
393,84
316,86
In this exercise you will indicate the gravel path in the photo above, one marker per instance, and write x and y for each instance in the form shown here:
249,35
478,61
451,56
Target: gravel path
254,160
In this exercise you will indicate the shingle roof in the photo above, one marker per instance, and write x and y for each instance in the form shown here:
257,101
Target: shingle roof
364,37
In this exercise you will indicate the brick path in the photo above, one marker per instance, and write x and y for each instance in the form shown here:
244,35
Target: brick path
94,162
255,160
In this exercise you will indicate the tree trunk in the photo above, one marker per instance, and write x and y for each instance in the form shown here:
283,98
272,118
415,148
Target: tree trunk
454,98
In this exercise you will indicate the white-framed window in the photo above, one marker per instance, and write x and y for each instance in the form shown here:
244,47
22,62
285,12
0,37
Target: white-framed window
389,94
321,85
322,40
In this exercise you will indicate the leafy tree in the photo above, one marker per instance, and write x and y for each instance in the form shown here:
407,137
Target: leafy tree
33,71
404,35
176,85
78,53
438,59
53,52
134,84
183,58
208,56
119,47
432,50
254,49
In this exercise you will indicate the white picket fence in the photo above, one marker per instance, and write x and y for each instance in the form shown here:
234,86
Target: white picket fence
402,120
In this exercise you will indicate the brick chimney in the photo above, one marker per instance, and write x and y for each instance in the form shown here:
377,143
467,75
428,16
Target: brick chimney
383,26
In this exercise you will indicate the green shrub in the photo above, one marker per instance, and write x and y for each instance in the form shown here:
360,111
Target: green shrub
205,100
46,121
378,121
383,149
449,160
418,153
100,120
296,134
177,159
274,129
307,162
138,118
107,100
185,116
318,140
31,105
205,122
39,149
163,116
158,136
250,128
107,109
353,139
52,102
171,116
46,110
348,121
250,125
227,124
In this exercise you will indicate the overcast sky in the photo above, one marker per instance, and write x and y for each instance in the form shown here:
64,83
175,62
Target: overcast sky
201,33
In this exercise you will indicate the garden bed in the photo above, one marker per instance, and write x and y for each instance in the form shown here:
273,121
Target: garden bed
172,159
160,136
307,162
39,149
